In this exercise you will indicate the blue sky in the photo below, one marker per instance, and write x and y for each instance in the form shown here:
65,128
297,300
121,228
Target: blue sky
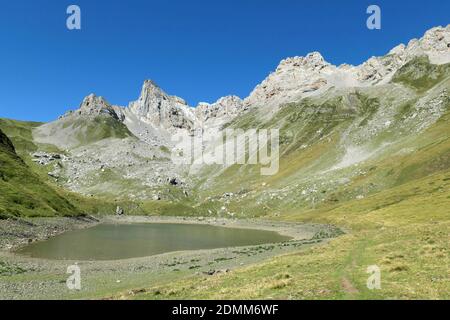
199,50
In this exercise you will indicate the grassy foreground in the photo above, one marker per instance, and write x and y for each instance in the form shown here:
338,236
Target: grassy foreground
404,231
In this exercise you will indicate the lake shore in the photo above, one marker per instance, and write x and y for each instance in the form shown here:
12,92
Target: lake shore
296,231
30,278
16,233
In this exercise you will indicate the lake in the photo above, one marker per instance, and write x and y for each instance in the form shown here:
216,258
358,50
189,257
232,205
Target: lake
124,241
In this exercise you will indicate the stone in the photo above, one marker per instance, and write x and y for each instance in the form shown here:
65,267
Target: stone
175,181
93,105
159,108
54,175
120,211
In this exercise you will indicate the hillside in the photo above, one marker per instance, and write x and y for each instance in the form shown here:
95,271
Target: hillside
373,161
22,192
402,230
343,145
346,132
365,148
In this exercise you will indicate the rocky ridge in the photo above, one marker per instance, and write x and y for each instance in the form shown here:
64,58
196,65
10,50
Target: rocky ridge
143,159
300,77
294,78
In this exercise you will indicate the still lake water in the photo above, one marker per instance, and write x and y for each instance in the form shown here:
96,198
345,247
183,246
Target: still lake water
124,241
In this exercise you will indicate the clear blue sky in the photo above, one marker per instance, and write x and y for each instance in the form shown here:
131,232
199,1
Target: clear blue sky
198,49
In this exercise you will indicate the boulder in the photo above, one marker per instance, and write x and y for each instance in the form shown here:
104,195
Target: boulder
120,211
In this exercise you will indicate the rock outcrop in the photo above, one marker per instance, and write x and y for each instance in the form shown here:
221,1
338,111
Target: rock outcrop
293,79
300,77
160,109
134,144
93,106
226,107
120,211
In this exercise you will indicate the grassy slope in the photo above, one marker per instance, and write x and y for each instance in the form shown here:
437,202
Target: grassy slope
311,143
403,230
22,192
420,74
99,128
401,226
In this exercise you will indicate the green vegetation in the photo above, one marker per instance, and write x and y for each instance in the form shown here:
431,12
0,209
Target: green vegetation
7,269
402,230
393,201
20,133
28,191
22,193
98,128
421,75
394,207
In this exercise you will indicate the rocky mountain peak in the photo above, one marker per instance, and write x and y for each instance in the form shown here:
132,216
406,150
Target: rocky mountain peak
292,78
312,61
225,107
435,44
94,102
94,105
156,107
151,91
299,77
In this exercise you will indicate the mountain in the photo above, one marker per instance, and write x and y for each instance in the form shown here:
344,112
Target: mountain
345,144
337,123
160,109
299,77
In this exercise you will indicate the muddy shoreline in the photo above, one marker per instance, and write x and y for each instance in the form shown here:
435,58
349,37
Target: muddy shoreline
16,233
31,278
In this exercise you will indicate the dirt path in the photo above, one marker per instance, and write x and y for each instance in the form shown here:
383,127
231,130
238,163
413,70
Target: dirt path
348,286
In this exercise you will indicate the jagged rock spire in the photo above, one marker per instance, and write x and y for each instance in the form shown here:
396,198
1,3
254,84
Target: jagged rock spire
158,108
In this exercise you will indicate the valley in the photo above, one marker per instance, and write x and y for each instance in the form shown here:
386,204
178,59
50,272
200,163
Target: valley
363,180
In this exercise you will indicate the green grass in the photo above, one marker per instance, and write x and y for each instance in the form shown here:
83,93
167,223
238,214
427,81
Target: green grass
421,75
7,269
20,134
26,191
23,193
99,128
395,207
402,230
400,224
